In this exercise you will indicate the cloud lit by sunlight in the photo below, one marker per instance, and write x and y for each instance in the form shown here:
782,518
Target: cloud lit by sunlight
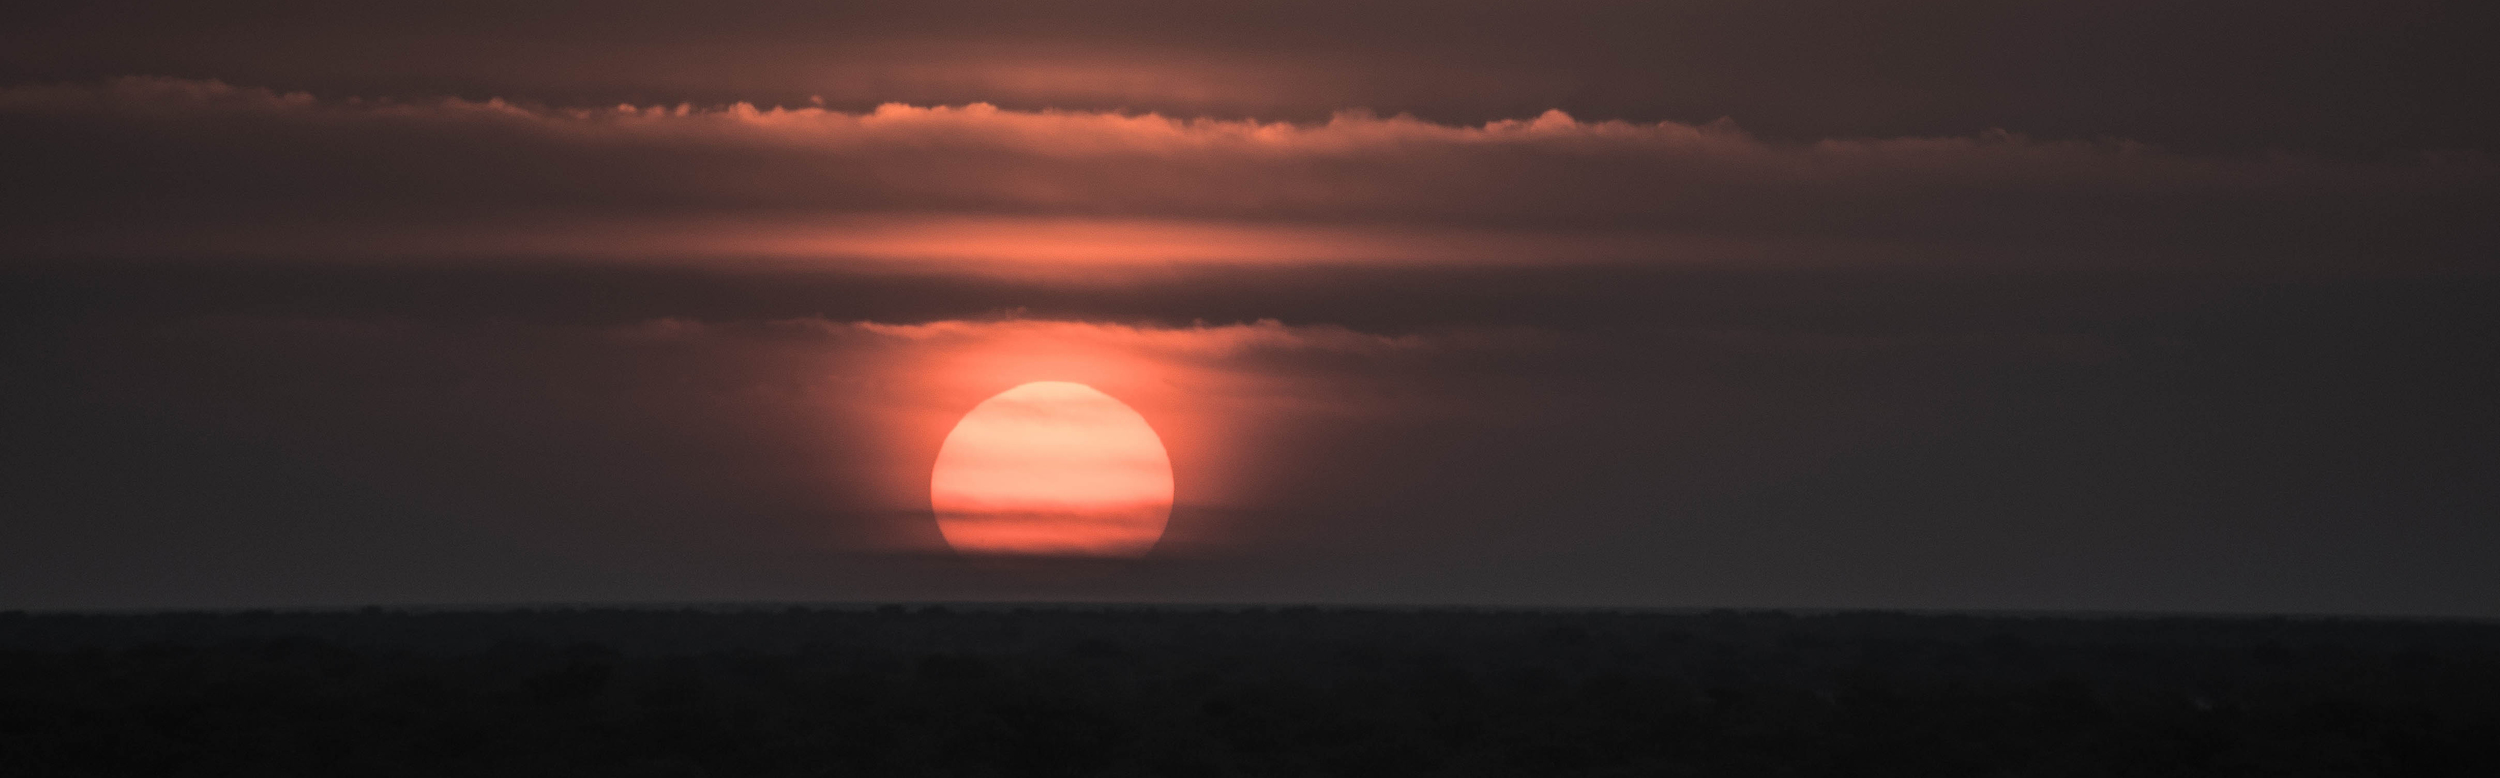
265,172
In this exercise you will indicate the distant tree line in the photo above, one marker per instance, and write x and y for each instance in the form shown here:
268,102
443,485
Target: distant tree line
1002,691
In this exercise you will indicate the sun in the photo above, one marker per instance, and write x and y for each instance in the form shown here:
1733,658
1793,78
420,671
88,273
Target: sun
1052,468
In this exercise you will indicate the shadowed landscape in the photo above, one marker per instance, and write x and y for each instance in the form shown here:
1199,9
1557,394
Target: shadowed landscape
1216,691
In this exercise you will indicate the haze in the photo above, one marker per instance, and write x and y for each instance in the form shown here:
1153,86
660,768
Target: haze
2123,306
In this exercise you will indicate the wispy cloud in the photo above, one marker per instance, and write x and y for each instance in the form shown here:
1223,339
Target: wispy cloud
150,164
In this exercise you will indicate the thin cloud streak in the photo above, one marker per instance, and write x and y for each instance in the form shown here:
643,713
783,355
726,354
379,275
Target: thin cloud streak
2187,75
157,165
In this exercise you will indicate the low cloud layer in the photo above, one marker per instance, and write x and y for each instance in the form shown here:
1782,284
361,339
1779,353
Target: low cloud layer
159,166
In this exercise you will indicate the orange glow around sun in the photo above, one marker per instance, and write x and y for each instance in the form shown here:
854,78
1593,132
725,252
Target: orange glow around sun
1052,468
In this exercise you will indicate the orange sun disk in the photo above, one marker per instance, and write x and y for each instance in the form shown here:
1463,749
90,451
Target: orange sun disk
1052,468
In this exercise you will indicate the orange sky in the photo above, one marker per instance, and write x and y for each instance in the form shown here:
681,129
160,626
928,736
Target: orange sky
1201,389
1689,302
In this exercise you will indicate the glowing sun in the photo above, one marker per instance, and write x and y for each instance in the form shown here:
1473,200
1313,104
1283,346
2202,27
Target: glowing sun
1052,468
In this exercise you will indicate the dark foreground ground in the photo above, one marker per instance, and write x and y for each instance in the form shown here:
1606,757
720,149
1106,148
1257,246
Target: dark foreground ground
1271,692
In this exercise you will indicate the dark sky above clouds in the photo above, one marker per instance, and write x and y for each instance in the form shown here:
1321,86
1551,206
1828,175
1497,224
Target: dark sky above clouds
2113,306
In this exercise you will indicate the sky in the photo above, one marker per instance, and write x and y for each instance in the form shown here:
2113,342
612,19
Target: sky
2058,306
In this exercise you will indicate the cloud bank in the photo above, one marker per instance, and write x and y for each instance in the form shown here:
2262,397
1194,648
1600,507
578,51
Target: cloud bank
145,165
2329,76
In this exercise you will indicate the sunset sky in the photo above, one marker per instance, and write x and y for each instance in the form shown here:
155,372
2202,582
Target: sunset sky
1935,304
